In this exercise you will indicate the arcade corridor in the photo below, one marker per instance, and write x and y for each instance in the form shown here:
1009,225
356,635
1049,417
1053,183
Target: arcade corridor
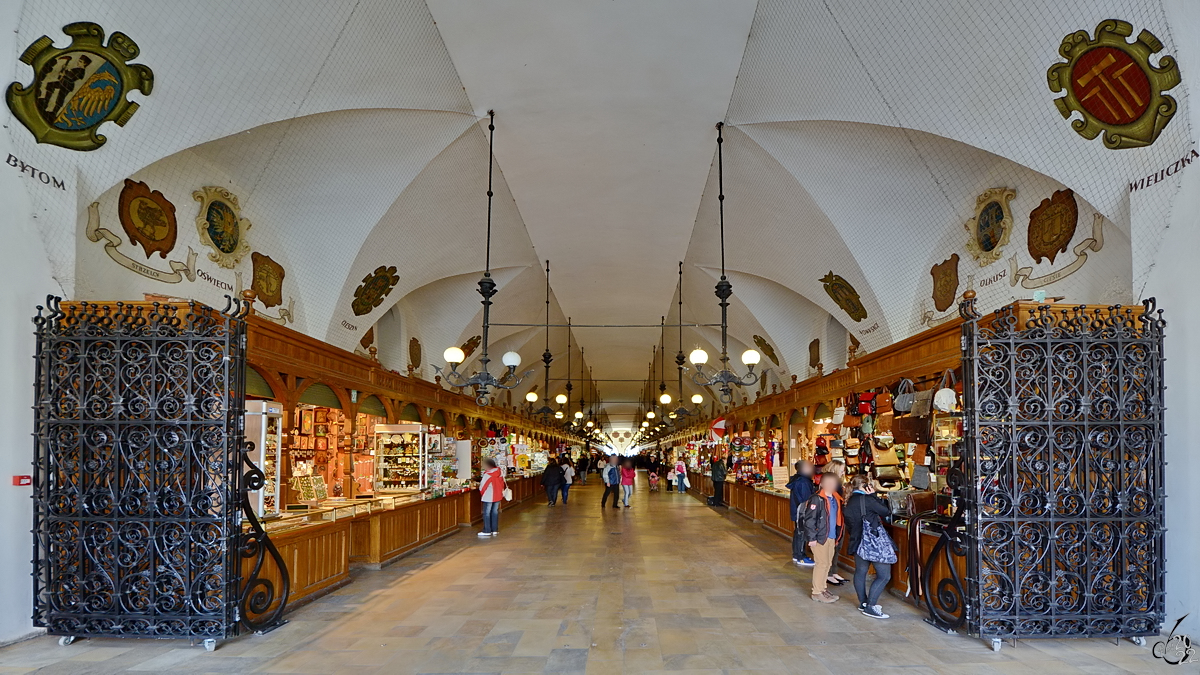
648,589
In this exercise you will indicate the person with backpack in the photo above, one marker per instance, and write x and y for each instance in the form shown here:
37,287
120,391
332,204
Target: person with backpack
824,521
870,542
611,475
802,488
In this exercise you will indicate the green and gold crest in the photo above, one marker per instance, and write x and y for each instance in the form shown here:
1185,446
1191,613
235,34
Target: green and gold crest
374,288
1112,83
78,88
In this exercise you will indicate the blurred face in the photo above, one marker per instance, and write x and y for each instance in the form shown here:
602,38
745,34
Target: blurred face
829,483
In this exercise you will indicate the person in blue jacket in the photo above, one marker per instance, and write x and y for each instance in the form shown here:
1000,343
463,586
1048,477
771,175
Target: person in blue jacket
802,487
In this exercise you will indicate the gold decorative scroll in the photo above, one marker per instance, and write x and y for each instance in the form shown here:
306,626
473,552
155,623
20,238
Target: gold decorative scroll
1093,243
112,243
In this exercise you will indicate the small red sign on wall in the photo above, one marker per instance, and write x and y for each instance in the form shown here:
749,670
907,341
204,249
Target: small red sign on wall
22,480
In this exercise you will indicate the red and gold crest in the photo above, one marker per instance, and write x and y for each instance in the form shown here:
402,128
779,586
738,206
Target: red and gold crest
268,279
945,283
1052,225
1113,85
147,218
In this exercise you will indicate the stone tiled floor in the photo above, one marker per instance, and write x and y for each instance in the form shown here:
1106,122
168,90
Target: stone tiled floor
668,585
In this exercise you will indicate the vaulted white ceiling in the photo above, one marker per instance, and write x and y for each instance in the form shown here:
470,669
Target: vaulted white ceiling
858,135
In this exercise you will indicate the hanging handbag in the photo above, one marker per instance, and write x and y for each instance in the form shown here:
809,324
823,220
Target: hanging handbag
946,399
839,414
903,401
884,456
851,421
865,403
883,401
875,546
922,403
920,477
868,425
911,430
887,474
507,494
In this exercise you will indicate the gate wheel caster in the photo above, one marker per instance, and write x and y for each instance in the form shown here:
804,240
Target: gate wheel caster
997,643
65,640
210,645
1139,641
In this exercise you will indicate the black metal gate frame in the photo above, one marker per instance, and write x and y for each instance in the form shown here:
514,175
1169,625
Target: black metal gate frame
1062,503
139,490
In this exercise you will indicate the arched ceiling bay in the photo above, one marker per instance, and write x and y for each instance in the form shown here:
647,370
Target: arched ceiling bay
858,136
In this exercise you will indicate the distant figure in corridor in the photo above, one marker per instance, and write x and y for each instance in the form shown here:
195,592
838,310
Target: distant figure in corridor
581,469
611,475
801,487
627,475
718,471
823,524
568,476
681,475
491,491
552,480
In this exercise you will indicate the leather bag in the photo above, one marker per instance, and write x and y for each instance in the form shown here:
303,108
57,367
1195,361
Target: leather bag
887,474
911,430
883,401
865,403
839,414
946,399
922,403
868,424
903,400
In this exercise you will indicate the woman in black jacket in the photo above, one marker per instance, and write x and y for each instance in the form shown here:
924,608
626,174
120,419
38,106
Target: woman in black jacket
865,509
553,480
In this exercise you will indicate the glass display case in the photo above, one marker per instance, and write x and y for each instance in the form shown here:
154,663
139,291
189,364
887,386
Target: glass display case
399,457
334,509
264,425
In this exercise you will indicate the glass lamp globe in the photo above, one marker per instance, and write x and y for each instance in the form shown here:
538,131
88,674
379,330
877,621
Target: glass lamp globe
454,355
645,424
531,397
591,424
561,399
665,399
578,414
698,357
750,357
650,414
697,399
511,359
558,415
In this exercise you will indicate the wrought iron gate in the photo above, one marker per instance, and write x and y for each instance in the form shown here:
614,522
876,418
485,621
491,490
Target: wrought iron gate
1064,471
139,493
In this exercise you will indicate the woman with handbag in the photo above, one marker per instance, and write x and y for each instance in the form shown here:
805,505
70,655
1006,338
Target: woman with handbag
492,489
681,483
871,543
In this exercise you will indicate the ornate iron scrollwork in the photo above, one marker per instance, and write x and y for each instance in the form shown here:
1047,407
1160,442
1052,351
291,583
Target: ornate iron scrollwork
948,602
1064,429
261,609
139,421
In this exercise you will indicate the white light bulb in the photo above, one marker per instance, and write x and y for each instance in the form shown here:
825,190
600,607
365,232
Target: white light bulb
665,399
697,399
698,357
531,397
650,414
558,415
511,359
578,414
645,424
591,424
454,355
750,357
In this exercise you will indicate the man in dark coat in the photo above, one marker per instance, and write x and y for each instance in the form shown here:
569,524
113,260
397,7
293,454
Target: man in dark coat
718,472
802,488
553,480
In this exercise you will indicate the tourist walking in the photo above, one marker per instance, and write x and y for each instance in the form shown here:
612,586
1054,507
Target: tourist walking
611,475
872,545
581,469
491,492
802,488
568,477
681,479
627,475
823,522
717,471
552,480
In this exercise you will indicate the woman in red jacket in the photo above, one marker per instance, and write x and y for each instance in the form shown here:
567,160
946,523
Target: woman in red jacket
491,492
627,475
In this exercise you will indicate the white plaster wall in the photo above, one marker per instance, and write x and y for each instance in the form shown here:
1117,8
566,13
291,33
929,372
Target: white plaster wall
1173,282
25,280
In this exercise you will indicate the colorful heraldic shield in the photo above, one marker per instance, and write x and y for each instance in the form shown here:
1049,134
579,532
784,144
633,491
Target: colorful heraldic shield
78,88
1113,85
221,226
989,231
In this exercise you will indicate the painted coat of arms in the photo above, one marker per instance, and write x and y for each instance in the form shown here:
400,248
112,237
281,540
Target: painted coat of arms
268,279
78,88
1052,225
374,288
414,353
814,353
844,295
147,218
221,226
766,348
1112,83
471,345
945,283
989,231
